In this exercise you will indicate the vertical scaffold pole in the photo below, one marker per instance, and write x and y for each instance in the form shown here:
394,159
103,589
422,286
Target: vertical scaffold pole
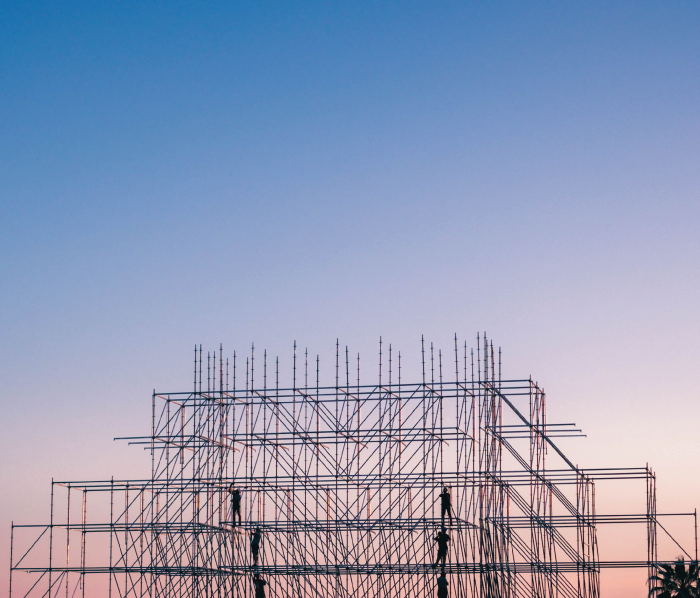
12,544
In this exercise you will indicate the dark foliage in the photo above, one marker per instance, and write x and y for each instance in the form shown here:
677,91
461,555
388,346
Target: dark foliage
676,581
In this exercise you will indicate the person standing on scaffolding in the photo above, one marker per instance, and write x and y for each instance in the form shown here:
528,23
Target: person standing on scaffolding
260,584
443,541
442,584
255,545
445,504
235,504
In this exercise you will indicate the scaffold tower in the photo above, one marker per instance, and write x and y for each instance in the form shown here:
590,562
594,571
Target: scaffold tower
347,490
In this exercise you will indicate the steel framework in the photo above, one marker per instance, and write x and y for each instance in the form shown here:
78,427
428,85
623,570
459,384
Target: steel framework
344,484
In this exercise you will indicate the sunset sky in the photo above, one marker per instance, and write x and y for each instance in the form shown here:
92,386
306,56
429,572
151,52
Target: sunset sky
175,173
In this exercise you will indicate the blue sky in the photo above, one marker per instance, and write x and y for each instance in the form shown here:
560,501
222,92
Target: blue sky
173,173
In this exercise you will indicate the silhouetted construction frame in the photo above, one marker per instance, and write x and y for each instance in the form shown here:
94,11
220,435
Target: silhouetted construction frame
343,482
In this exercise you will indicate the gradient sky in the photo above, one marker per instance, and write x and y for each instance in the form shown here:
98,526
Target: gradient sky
265,172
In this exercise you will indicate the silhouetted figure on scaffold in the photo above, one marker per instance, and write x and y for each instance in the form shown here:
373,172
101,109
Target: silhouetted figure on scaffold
442,584
443,541
445,504
235,504
260,584
255,544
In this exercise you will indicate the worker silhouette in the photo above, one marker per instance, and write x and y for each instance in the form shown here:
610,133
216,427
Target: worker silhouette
442,584
443,541
255,544
260,584
235,503
445,504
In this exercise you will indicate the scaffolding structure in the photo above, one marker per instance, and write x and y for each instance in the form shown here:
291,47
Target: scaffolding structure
344,484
